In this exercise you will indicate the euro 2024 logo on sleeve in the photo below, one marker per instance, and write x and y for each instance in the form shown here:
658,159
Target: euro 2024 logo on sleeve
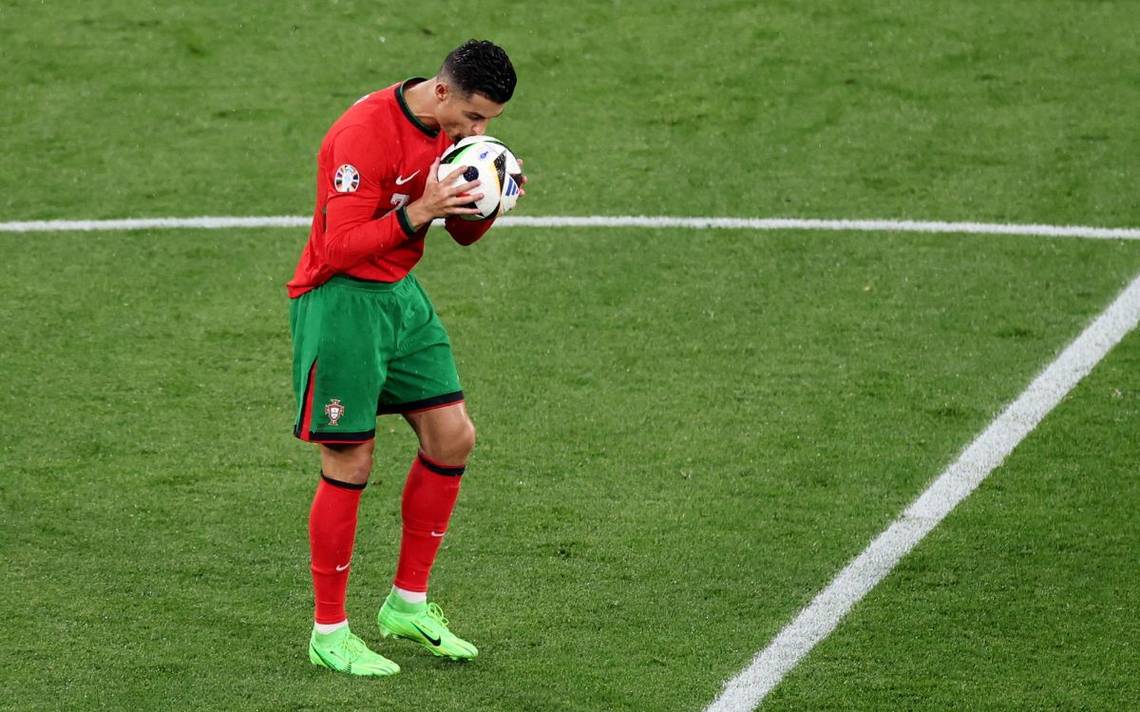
334,410
347,179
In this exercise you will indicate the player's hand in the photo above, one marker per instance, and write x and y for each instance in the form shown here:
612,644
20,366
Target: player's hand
443,198
522,179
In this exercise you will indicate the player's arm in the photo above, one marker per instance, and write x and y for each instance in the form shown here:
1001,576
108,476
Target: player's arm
352,232
467,232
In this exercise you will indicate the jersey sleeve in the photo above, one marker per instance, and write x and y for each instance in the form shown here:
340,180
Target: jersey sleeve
352,232
466,232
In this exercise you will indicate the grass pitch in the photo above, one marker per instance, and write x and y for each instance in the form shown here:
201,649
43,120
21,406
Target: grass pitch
683,435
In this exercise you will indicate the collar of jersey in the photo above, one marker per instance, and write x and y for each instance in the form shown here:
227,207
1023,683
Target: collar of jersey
408,112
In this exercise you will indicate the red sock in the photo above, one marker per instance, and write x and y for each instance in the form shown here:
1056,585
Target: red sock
429,497
332,529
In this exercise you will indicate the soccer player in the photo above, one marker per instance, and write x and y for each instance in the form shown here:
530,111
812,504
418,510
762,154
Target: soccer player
366,340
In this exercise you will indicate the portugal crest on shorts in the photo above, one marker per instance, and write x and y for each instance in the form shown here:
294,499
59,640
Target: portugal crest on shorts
334,410
347,179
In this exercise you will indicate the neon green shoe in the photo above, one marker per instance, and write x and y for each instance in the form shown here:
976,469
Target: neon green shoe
424,624
344,652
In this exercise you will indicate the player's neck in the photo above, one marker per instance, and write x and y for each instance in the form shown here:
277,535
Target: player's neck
421,101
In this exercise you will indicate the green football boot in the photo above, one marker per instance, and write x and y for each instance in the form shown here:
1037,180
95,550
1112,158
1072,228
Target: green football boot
344,652
423,623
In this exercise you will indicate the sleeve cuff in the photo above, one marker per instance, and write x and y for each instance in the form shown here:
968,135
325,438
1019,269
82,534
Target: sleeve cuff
402,216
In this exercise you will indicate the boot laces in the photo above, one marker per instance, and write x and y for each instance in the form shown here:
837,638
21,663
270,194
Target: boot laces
436,614
353,647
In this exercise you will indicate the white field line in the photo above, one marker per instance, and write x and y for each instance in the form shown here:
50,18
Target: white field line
822,615
697,223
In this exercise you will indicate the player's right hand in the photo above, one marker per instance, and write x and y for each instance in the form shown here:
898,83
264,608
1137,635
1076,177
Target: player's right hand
443,198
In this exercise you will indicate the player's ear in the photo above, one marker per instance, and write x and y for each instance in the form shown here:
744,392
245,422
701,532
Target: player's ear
442,90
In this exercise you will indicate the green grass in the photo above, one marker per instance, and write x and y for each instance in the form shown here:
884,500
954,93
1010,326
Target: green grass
961,110
651,499
1024,597
683,434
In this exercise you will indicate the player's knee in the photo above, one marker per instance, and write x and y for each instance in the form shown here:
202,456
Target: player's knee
361,467
453,445
348,463
465,438
460,441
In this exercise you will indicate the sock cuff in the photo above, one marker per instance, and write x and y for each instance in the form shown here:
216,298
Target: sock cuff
441,469
329,628
397,601
342,484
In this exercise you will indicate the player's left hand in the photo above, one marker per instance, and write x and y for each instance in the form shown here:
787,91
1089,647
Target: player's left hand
522,179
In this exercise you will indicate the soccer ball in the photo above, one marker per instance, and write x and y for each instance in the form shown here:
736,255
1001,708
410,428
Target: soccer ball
490,162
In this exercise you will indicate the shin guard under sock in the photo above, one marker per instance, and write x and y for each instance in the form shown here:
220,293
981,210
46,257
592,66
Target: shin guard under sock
332,530
429,497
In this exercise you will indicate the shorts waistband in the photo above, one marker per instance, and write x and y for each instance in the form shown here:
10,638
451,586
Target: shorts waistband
368,285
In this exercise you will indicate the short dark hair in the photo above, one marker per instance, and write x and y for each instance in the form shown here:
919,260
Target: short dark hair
481,66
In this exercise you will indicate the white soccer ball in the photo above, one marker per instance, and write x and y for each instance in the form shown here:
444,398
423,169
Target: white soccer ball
490,162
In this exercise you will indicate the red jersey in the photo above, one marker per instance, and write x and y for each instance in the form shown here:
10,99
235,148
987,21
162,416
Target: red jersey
372,163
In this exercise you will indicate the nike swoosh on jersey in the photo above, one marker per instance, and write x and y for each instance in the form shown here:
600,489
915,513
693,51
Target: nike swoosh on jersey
342,568
401,181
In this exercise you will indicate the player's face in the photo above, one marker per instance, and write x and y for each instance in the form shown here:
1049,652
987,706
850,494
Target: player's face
462,116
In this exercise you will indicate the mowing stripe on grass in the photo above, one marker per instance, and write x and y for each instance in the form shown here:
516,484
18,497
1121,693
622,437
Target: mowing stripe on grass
224,223
822,615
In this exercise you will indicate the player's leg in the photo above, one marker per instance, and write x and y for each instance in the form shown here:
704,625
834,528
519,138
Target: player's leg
446,434
423,385
446,437
332,528
332,532
337,381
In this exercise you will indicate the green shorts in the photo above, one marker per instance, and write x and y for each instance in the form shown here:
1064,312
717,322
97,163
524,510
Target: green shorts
361,349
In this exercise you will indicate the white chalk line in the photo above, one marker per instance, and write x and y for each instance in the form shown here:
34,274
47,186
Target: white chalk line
815,622
594,221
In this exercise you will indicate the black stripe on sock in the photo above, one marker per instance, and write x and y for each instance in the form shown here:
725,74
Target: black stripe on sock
343,485
440,470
